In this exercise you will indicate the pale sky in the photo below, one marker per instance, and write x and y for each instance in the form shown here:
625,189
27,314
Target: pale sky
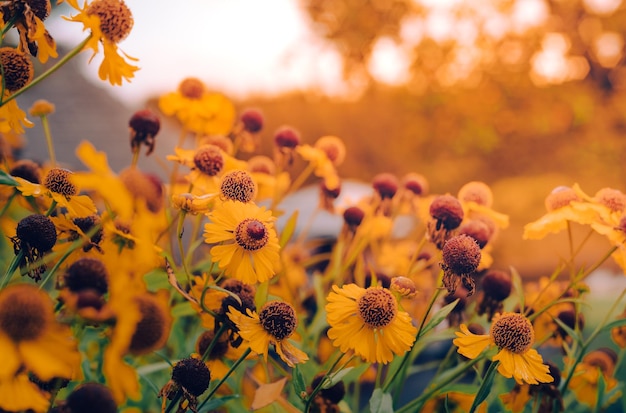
235,46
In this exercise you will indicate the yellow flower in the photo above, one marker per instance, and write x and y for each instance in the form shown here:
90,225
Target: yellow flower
563,205
248,248
369,322
30,338
322,166
198,110
208,163
20,394
58,186
513,335
12,118
110,21
273,324
584,382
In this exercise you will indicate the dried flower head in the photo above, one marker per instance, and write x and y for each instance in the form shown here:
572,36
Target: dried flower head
17,69
461,256
87,273
278,318
385,184
478,230
447,211
35,236
116,19
415,183
209,160
252,120
144,125
496,286
476,191
286,137
353,216
90,397
192,375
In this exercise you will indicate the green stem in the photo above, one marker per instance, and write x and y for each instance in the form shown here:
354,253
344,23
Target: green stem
48,135
12,267
587,343
416,405
485,386
5,207
50,71
75,245
181,249
228,373
402,368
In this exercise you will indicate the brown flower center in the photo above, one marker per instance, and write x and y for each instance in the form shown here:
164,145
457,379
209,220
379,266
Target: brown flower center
513,332
17,69
24,312
461,254
191,88
251,234
192,374
377,307
278,318
238,186
57,180
152,329
209,160
116,20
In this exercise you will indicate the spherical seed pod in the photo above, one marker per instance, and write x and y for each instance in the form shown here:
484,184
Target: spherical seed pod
193,375
461,254
219,348
116,19
37,232
415,183
209,160
252,120
90,397
497,284
87,273
447,211
478,230
385,184
41,107
353,216
613,199
245,292
476,191
286,137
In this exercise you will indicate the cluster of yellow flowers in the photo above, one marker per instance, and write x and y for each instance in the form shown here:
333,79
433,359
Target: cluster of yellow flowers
200,288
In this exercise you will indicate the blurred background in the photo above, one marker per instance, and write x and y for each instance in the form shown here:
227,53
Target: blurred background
525,95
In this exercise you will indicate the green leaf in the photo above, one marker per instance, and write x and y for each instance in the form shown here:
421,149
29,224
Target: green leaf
289,229
438,317
600,392
183,309
336,377
485,387
353,373
153,367
570,332
299,384
381,402
6,179
613,324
